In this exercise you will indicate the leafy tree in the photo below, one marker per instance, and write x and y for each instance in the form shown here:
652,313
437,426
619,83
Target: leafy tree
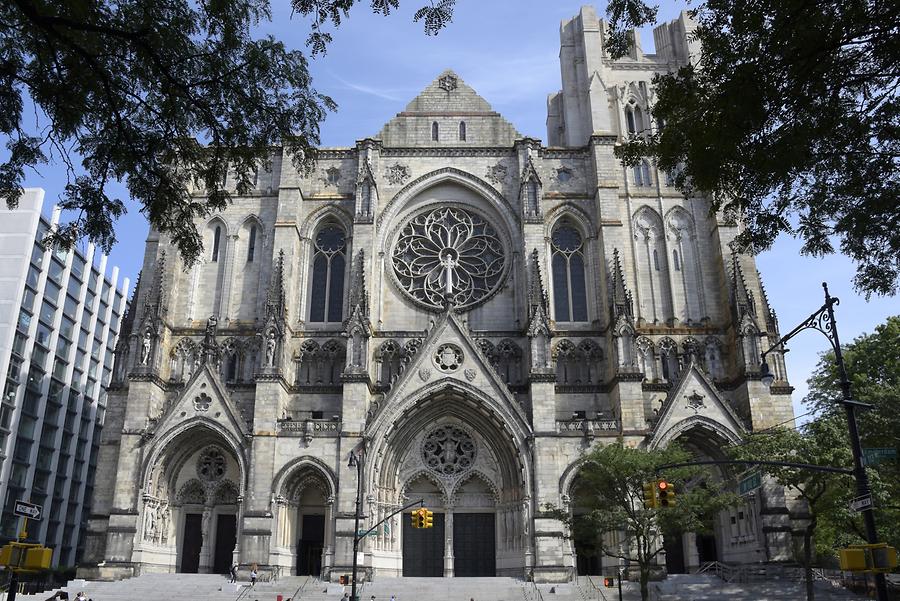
790,119
615,475
873,366
166,94
823,442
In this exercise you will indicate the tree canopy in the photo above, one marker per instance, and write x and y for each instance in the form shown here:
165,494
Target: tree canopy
609,497
790,119
165,94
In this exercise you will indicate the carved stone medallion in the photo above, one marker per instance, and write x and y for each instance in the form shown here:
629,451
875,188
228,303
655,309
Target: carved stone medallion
448,451
496,174
447,83
202,402
397,174
448,358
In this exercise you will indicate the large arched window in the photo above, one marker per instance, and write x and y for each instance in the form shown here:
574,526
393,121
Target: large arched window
329,262
569,289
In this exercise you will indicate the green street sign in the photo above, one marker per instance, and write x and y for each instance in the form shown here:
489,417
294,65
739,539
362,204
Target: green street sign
750,483
877,455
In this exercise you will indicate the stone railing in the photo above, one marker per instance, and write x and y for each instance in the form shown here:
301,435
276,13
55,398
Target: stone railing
588,427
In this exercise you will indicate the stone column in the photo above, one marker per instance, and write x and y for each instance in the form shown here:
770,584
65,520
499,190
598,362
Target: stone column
448,543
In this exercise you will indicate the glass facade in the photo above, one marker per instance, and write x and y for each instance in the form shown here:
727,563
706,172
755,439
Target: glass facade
51,412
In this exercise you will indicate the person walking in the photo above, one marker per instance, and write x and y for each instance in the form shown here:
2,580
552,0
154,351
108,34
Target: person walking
254,574
233,572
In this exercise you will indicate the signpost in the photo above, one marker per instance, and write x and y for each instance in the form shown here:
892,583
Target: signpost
750,483
875,456
28,510
861,503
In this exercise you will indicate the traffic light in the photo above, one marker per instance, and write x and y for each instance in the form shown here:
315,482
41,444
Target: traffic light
650,495
416,519
429,518
665,493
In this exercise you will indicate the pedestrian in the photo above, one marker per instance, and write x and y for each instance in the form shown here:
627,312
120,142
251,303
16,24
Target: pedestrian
233,572
254,574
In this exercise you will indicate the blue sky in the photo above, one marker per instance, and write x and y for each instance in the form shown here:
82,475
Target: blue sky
508,51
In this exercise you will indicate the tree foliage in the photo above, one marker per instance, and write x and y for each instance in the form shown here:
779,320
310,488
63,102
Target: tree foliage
164,94
824,442
614,476
790,120
873,367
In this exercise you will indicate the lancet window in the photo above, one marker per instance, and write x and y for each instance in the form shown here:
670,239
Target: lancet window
578,365
328,267
320,365
569,286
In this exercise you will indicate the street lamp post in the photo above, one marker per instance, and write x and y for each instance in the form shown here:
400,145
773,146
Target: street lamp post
356,460
823,321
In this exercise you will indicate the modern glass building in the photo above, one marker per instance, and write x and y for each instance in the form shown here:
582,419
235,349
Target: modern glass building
60,314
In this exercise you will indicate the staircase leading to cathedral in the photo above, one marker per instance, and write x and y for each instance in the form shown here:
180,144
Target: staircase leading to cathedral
207,587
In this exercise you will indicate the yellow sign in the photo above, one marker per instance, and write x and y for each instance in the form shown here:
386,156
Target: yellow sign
25,557
875,558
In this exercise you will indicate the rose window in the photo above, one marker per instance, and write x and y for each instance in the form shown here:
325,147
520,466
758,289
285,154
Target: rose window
448,358
448,450
448,256
212,465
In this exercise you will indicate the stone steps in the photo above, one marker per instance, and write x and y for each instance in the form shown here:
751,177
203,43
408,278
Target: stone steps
207,587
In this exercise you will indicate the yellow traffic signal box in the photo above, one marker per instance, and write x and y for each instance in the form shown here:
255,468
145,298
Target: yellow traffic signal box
650,495
429,519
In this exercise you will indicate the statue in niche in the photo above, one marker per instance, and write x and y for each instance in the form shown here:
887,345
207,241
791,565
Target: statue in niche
271,346
146,346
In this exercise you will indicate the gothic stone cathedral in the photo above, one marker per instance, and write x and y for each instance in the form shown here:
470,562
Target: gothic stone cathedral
472,308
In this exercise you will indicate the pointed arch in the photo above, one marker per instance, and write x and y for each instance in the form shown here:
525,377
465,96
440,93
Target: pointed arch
654,292
207,289
688,293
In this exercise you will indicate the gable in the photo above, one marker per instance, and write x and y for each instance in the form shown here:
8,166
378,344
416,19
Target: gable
204,397
449,354
448,102
694,401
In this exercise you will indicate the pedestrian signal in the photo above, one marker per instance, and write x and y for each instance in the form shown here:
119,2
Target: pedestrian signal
665,494
650,495
609,582
428,519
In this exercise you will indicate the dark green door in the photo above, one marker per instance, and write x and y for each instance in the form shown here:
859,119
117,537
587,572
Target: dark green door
474,548
423,548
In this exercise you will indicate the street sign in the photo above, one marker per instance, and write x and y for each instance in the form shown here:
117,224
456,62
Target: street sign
861,503
877,455
28,510
750,483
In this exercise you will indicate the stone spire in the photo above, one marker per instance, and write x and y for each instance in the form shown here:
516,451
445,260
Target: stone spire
357,327
275,297
621,303
742,303
538,317
771,318
366,191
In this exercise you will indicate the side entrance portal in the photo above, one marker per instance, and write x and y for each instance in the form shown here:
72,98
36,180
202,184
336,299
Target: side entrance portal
423,549
309,549
226,538
474,548
192,543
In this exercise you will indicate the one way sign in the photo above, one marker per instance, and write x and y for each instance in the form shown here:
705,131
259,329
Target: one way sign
28,510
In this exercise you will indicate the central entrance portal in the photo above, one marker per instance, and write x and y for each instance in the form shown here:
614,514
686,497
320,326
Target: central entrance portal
423,549
474,550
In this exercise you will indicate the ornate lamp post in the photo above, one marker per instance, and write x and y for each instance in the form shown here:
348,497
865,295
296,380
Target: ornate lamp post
356,460
823,321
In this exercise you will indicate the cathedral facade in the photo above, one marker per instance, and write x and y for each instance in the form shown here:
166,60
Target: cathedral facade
467,312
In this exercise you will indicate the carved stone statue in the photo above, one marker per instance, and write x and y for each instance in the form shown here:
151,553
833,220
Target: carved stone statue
146,345
271,346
